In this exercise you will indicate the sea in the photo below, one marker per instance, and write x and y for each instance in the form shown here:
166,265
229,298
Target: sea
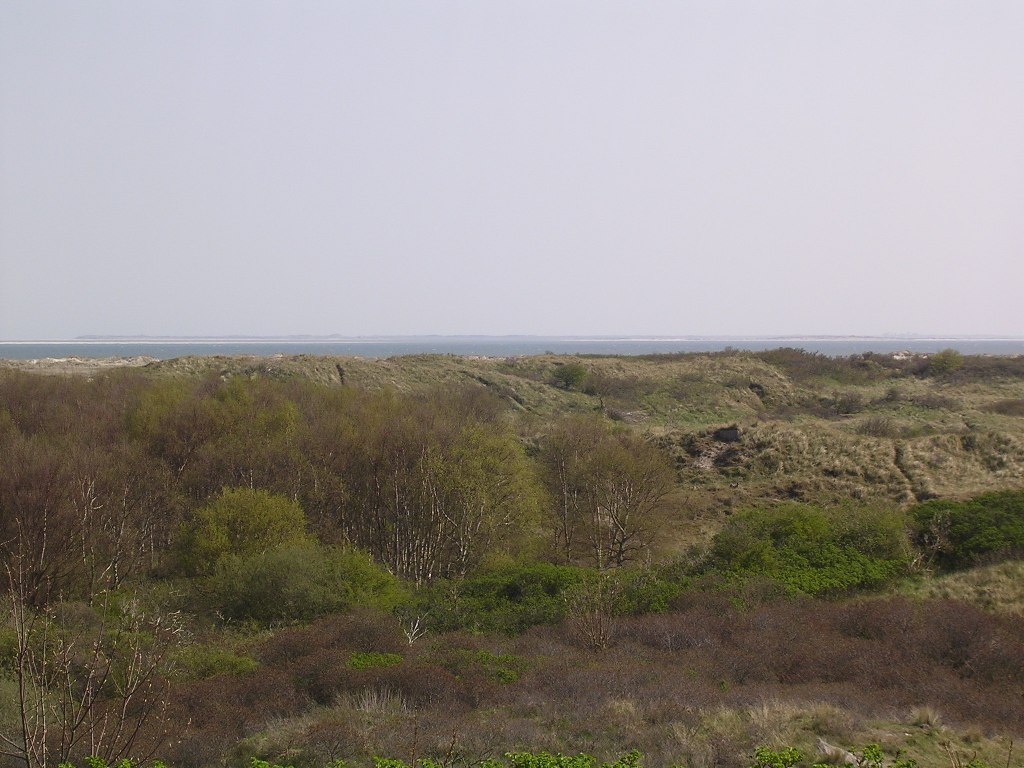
494,346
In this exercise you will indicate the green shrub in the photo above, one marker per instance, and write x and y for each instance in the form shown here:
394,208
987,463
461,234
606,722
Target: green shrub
790,757
962,534
945,362
373,660
200,662
241,523
787,757
569,376
811,550
299,582
515,760
546,760
644,591
498,667
513,598
508,600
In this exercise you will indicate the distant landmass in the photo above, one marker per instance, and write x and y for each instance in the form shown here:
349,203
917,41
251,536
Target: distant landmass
168,347
337,337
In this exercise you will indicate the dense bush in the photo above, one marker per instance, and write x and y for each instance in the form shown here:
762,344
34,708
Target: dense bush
513,598
802,366
361,630
505,600
298,582
872,657
569,375
811,550
957,534
945,362
240,523
466,660
199,661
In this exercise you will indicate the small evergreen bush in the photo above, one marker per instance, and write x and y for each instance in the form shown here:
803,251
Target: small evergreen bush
955,534
813,551
508,600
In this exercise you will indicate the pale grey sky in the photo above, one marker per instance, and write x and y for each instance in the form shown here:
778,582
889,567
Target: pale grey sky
522,166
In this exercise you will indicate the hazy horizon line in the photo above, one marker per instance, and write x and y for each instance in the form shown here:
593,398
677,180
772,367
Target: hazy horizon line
385,338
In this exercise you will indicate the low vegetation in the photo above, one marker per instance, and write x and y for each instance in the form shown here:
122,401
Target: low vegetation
717,560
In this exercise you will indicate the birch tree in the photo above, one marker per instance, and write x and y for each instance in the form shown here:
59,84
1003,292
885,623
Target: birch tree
610,492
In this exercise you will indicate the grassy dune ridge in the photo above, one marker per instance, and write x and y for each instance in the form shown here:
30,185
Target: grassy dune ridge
810,427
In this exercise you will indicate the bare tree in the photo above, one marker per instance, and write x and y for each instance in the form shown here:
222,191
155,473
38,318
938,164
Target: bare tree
590,611
85,687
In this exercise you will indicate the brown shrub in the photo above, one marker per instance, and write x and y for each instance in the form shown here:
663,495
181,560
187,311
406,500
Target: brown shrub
1008,407
358,631
689,682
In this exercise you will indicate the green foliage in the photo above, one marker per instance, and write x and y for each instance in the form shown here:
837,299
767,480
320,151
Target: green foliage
486,482
512,598
500,667
547,760
520,760
945,362
790,757
373,660
239,523
962,534
433,484
508,600
787,757
99,762
199,661
299,581
569,376
872,756
811,550
644,591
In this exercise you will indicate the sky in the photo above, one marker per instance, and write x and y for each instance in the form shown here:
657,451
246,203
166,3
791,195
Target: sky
511,167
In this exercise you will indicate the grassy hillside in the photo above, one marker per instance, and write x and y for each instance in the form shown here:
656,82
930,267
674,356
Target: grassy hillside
998,588
324,558
809,428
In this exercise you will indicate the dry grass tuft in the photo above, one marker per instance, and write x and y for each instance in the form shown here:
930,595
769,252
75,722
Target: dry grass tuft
996,588
926,717
379,701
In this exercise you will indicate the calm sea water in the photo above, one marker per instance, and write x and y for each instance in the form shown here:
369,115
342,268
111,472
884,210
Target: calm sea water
497,346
